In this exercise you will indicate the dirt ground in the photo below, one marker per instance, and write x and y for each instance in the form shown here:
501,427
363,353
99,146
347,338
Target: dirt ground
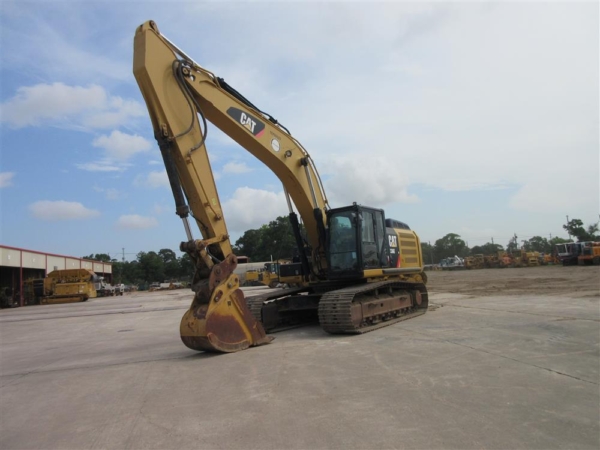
547,280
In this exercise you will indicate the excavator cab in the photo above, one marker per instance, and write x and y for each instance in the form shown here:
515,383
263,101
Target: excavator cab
356,241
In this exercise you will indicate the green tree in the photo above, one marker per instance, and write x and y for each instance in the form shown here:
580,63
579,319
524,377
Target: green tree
575,228
274,240
557,240
249,244
486,249
450,245
428,250
133,273
278,239
103,257
170,263
186,267
151,266
538,244
513,244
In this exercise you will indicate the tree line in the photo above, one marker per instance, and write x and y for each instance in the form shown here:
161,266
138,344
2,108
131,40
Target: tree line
452,244
149,267
275,241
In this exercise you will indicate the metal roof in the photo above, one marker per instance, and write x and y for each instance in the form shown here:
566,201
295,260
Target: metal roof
33,259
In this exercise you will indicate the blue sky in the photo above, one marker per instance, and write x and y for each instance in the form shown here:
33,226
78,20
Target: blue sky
475,118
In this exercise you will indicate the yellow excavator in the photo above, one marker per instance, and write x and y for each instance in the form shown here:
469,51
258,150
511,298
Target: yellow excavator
361,271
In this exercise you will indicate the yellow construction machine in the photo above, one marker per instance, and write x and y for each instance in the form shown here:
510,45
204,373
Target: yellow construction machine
530,259
590,254
267,276
474,262
274,274
504,259
361,270
522,258
63,286
491,261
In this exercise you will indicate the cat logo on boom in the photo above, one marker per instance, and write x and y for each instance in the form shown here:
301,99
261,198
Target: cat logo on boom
251,123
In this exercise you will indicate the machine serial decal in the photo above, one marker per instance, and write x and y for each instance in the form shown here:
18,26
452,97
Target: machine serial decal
251,123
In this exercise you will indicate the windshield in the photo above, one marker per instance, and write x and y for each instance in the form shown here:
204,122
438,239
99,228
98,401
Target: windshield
561,249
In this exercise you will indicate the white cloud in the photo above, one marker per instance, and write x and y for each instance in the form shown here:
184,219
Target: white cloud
136,222
109,193
153,162
250,208
6,179
563,195
371,181
118,148
32,105
410,85
61,105
118,112
100,166
112,194
79,107
449,96
122,146
78,52
61,210
161,209
153,180
235,167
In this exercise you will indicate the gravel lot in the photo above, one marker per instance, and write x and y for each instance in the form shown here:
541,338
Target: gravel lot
543,280
504,359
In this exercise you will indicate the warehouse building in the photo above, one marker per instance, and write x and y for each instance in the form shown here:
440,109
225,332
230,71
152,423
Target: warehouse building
18,265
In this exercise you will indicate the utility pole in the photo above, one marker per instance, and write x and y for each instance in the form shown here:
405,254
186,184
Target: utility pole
122,265
568,228
492,241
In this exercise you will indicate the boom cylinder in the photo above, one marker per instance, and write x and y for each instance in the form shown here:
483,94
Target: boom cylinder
181,207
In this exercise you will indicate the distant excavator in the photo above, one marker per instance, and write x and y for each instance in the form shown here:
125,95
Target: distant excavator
360,270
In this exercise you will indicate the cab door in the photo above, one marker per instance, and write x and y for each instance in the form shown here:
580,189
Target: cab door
374,245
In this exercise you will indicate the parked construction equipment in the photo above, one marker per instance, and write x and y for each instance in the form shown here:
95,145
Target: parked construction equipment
104,289
590,254
63,286
267,276
474,262
452,263
568,253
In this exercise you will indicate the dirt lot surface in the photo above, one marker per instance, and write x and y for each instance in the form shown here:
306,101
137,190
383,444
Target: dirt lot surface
545,280
485,368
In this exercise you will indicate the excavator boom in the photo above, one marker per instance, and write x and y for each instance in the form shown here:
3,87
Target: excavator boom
177,90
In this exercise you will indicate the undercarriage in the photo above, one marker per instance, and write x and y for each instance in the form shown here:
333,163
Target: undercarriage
351,309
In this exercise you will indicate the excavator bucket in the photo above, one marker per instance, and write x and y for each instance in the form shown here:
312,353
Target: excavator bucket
218,319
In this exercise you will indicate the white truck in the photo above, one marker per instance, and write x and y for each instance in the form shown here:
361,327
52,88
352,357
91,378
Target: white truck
104,289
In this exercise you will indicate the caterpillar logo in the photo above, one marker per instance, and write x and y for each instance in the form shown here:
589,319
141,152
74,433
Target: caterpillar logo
251,123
